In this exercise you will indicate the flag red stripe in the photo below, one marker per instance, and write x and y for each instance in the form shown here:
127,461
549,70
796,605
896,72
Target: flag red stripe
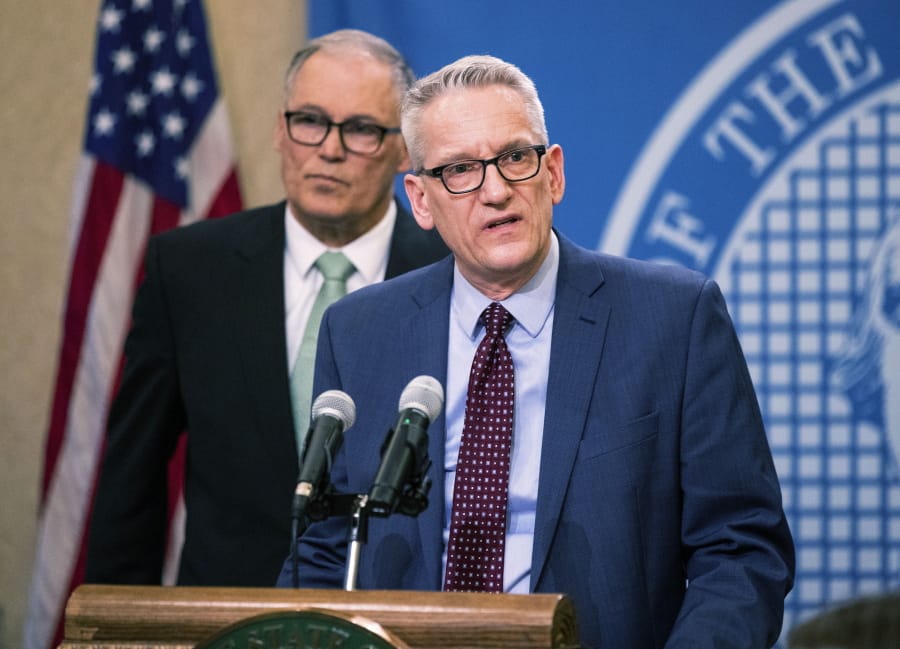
106,187
176,475
164,216
228,199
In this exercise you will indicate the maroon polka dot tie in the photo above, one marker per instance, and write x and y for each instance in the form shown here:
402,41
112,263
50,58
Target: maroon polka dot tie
478,522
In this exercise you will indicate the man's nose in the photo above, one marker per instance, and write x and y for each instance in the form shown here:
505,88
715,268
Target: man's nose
332,147
495,187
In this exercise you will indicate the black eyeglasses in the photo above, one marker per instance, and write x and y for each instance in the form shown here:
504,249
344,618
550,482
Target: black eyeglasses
464,176
357,135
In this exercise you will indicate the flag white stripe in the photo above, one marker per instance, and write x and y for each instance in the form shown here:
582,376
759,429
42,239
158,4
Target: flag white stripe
211,161
176,541
81,191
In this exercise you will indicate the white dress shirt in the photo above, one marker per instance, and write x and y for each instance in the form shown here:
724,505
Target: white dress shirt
302,280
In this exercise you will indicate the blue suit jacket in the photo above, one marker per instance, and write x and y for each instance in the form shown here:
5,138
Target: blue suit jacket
658,511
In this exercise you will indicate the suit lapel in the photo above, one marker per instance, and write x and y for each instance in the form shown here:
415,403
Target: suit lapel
257,292
429,329
579,330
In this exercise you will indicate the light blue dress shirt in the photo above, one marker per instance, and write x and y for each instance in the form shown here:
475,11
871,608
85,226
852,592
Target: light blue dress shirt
528,340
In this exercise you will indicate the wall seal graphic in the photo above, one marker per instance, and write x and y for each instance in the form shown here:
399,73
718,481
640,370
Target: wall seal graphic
777,172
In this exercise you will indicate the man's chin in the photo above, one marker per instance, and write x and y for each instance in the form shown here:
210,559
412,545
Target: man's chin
329,210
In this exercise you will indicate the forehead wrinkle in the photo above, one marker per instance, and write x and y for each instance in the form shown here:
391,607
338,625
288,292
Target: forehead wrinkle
347,80
315,108
464,134
511,145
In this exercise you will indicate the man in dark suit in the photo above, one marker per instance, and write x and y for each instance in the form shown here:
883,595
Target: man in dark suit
218,322
637,478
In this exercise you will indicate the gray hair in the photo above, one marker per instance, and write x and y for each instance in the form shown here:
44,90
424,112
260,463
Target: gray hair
353,40
467,72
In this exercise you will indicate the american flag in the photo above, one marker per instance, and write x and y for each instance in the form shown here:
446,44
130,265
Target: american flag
157,154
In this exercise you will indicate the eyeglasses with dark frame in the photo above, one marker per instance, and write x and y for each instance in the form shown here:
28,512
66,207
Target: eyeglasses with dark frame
357,135
464,176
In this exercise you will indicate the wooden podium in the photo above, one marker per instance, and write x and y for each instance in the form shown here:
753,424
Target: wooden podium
180,617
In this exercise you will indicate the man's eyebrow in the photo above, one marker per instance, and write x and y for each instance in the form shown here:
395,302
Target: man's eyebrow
517,143
309,108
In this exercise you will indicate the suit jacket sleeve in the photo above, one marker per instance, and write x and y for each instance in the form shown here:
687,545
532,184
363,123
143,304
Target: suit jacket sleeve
738,553
127,535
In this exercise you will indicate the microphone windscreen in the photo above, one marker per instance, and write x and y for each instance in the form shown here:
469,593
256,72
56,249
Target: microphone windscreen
425,394
336,403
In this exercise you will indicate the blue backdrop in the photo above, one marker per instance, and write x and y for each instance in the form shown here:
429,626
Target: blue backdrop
606,71
760,143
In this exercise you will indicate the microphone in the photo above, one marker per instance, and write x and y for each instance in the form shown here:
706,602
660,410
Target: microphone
333,412
404,456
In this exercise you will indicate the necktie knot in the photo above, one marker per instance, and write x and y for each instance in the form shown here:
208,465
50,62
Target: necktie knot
335,266
496,319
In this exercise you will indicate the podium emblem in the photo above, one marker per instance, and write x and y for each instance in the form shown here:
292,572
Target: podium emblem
304,629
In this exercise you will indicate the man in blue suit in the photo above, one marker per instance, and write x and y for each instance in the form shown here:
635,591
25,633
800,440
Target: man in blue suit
640,481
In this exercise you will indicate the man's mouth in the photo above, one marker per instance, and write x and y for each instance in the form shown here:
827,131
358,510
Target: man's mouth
502,222
326,178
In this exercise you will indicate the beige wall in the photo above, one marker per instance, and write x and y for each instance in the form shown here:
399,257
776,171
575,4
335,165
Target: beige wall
47,47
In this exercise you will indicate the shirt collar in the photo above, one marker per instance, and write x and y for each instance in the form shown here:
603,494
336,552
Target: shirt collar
368,253
531,305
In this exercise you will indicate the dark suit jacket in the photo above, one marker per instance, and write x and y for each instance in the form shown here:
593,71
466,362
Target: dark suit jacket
207,354
655,468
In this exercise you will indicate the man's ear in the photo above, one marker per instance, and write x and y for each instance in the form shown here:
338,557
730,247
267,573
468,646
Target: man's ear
279,134
555,166
415,192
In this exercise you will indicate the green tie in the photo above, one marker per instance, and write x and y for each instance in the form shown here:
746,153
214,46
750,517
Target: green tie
335,268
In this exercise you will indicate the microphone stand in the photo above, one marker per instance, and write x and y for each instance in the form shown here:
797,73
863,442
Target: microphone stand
412,501
296,533
359,534
325,505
